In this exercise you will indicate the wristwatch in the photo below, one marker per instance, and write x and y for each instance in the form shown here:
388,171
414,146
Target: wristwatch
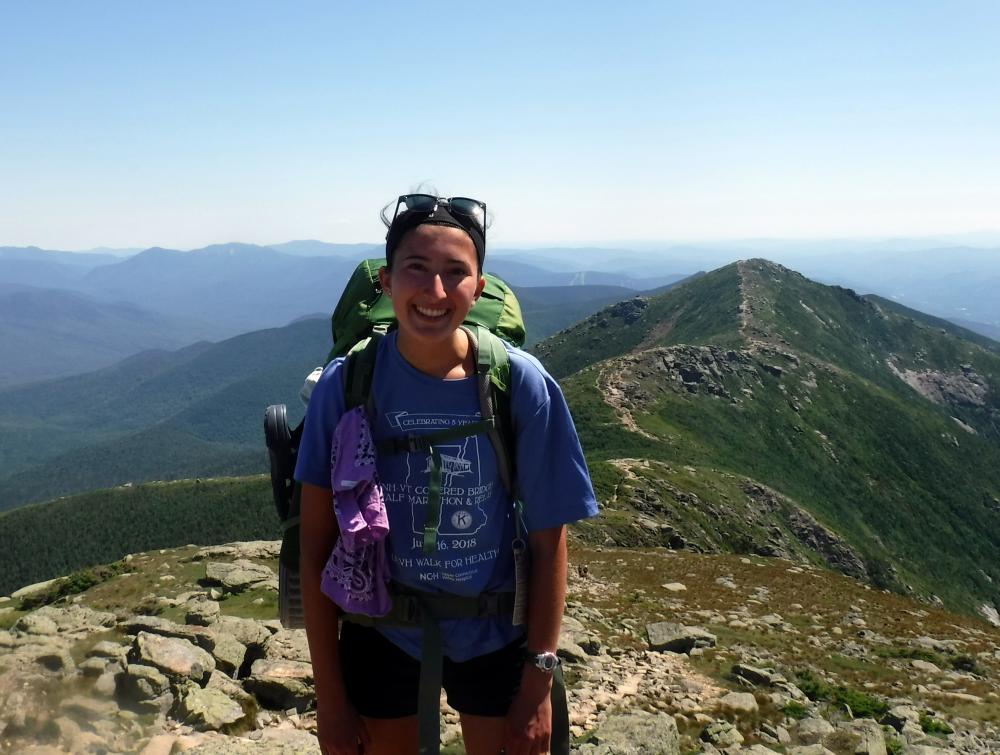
544,661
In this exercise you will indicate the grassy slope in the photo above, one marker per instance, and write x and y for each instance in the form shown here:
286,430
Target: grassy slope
55,538
891,471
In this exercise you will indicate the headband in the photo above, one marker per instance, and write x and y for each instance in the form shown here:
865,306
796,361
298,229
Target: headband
410,219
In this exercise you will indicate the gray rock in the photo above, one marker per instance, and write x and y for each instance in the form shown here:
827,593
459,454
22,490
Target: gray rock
228,653
177,659
35,624
721,734
140,683
110,650
239,575
288,645
637,733
816,749
898,715
872,738
93,666
757,676
210,709
56,658
248,632
202,612
281,684
813,730
677,638
271,742
200,636
742,703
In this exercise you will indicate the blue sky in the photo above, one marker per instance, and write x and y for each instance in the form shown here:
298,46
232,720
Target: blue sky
187,123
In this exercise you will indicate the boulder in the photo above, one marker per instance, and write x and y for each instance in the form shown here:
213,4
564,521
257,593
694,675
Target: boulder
178,659
813,730
871,737
281,684
35,624
228,653
239,575
721,734
677,638
637,733
741,703
898,715
210,709
288,645
757,676
141,683
202,612
273,741
248,632
200,636
110,650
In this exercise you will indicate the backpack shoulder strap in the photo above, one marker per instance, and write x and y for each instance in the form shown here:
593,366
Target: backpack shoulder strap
493,377
360,369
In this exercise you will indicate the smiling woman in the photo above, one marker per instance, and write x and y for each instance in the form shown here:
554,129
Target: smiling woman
489,618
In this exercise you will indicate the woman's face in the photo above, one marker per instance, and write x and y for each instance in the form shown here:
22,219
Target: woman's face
433,283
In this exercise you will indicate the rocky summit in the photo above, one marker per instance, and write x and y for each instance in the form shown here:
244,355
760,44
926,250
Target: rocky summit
665,652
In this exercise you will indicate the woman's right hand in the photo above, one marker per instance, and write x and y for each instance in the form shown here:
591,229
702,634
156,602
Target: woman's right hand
340,730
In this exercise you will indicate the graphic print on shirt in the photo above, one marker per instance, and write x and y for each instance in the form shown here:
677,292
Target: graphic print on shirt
462,513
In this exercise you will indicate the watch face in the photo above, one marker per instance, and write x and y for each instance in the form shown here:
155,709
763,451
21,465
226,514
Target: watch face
546,661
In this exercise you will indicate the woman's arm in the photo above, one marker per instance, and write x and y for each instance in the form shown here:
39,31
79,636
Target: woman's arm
529,722
338,723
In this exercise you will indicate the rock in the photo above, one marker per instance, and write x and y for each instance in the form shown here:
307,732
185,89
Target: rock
228,653
161,744
34,588
202,612
56,658
239,575
110,650
926,666
816,749
721,734
871,736
141,683
898,715
200,636
210,709
35,624
93,666
637,733
274,741
813,730
288,645
246,631
178,659
281,684
677,638
757,676
674,587
742,703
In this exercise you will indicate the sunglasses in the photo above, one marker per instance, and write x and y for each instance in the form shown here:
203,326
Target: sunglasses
458,206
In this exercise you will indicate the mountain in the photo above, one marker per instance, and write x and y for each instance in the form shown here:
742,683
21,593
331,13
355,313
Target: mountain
753,410
47,333
524,275
159,415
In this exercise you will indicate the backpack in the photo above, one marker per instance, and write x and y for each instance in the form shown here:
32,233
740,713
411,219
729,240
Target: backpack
362,317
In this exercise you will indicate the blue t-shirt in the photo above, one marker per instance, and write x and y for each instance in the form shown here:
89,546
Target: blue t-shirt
476,525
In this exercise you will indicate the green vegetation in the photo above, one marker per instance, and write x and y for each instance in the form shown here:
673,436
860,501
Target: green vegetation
861,704
810,410
936,726
794,709
894,745
76,583
43,541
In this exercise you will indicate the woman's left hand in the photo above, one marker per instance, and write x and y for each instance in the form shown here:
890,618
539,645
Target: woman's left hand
528,728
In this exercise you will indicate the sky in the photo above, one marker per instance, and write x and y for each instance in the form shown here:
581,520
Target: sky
181,124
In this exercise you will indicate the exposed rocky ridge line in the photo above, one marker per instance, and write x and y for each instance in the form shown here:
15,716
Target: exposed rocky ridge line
964,388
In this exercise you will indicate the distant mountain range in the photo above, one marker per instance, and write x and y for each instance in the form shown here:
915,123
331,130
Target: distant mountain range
67,313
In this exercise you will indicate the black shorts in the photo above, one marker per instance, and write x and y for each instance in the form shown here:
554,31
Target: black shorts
382,680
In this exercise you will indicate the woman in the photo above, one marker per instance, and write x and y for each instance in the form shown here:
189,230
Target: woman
366,682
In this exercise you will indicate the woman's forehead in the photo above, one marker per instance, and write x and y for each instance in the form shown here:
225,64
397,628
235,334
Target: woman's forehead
438,241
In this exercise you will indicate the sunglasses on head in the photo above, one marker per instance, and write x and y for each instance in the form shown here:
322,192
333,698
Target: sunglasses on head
428,203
